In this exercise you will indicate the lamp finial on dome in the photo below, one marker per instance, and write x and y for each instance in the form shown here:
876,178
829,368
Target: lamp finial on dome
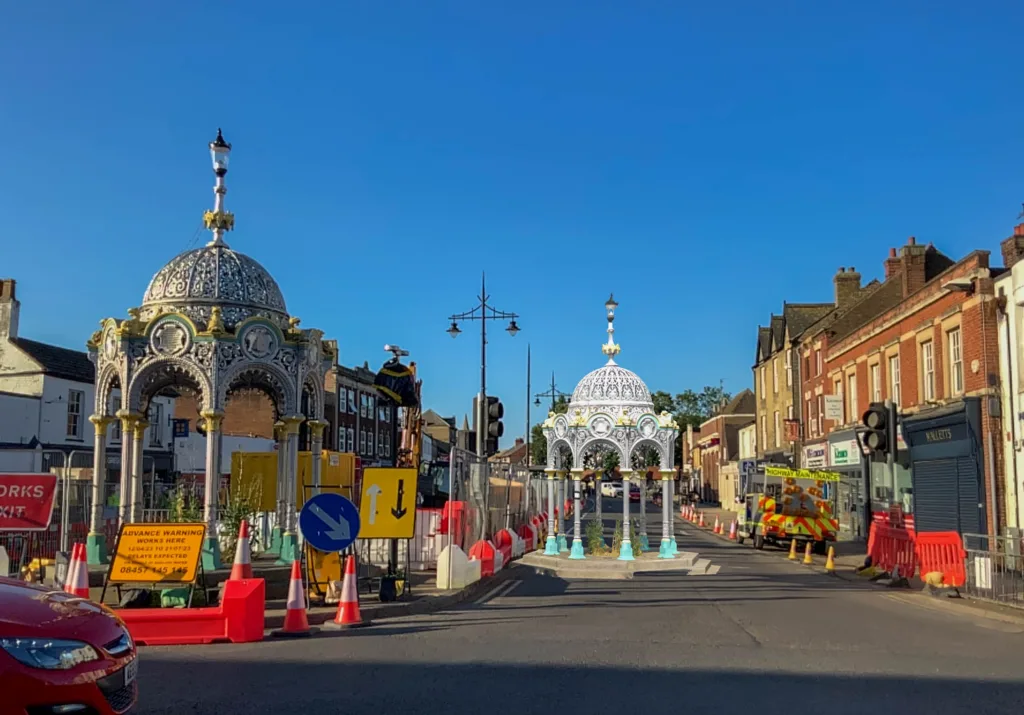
610,348
219,220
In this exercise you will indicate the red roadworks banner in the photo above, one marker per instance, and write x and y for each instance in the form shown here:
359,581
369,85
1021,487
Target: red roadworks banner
26,501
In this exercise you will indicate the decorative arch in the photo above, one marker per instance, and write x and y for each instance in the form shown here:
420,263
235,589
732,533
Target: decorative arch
555,448
264,377
610,444
653,444
163,373
108,377
316,396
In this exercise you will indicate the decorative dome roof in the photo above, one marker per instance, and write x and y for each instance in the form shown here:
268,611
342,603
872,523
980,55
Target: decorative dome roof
610,388
214,275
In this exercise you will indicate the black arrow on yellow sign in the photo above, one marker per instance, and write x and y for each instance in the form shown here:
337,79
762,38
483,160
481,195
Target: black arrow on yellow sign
398,512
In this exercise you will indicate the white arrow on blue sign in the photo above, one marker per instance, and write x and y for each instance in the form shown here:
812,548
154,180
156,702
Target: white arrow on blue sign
329,522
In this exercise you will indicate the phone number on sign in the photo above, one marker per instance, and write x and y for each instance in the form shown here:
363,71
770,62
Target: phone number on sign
127,570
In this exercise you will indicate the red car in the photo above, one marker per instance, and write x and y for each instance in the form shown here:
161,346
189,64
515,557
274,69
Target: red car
62,654
634,493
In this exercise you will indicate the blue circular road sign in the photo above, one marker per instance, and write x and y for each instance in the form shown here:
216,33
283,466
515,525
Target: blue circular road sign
329,522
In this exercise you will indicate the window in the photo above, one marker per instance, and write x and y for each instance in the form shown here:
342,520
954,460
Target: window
156,432
76,398
351,439
363,404
380,444
764,431
817,362
761,389
876,382
789,367
894,379
851,397
778,430
775,376
808,414
352,402
370,402
837,389
362,442
928,370
341,439
956,362
387,444
821,414
115,427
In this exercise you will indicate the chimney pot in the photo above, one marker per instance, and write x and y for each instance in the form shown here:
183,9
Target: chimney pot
852,269
1018,230
912,241
842,270
892,253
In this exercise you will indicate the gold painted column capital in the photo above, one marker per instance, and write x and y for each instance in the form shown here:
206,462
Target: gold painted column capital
212,419
316,428
140,428
101,422
292,423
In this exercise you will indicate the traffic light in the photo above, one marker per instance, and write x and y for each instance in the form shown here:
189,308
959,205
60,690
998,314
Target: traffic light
880,421
495,429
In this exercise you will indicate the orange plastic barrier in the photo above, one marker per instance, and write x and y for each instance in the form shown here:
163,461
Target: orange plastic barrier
454,521
238,619
892,546
527,535
503,542
483,551
942,551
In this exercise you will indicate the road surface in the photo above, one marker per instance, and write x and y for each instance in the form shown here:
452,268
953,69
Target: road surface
762,635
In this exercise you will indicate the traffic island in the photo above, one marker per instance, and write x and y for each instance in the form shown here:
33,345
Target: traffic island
610,568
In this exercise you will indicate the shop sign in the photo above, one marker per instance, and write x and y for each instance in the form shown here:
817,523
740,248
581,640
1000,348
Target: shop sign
815,456
844,453
834,408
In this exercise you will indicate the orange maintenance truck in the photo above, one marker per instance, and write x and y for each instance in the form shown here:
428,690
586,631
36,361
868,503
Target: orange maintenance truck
786,504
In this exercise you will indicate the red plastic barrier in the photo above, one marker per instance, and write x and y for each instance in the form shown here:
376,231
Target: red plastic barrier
892,546
453,521
942,551
527,535
484,552
503,542
238,619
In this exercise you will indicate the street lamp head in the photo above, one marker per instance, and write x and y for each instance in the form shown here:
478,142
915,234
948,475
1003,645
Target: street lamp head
512,328
220,150
611,305
453,330
536,401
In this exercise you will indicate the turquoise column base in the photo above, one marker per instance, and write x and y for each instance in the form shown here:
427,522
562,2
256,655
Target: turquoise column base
551,546
672,545
576,554
626,551
563,545
95,549
644,543
211,554
289,549
665,551
275,542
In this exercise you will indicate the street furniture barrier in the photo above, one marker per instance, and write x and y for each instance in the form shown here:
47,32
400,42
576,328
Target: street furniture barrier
942,552
296,622
238,619
452,568
483,551
528,534
454,517
348,615
893,548
505,542
242,567
79,580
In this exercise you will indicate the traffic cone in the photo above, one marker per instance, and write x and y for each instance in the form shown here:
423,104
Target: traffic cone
348,610
80,586
830,561
732,531
70,576
242,568
714,529
807,554
296,624
792,550
700,523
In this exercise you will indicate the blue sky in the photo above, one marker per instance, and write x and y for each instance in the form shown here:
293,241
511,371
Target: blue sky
704,163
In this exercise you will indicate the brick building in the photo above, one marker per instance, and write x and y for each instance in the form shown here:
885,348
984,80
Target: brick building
926,338
367,422
719,445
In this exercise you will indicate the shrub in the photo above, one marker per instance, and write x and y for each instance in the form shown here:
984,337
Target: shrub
595,537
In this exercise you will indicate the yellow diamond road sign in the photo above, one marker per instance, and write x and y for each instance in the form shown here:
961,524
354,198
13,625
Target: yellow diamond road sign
387,508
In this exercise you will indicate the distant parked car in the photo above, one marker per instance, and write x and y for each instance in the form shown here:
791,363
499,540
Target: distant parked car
634,493
611,489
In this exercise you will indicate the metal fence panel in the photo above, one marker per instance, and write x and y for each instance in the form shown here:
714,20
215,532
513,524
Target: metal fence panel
994,568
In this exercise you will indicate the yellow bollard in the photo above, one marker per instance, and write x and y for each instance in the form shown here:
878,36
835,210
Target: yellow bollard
807,554
792,550
830,562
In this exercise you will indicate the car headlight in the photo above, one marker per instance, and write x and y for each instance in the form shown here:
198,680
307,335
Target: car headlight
47,653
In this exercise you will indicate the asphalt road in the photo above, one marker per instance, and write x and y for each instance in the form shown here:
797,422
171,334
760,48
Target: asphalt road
762,635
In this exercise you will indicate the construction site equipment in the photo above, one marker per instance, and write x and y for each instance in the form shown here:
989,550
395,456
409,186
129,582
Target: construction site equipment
791,504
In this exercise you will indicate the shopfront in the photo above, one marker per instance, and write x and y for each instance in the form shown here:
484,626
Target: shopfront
846,457
947,490
814,456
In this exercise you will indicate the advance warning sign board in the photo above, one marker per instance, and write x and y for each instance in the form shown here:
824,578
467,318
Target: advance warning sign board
387,509
157,553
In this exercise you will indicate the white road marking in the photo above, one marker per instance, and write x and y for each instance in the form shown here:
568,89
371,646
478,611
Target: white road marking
502,589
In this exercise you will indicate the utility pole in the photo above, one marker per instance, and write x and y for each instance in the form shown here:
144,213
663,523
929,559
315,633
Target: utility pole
553,394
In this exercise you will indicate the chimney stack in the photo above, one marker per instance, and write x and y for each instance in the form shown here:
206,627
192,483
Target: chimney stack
847,283
1013,247
9,309
912,268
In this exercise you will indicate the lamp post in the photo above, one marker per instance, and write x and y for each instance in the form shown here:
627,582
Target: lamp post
482,312
553,394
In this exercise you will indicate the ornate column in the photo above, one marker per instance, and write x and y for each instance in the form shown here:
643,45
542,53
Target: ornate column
551,544
128,420
563,545
316,438
641,481
96,542
138,448
598,502
672,511
281,436
665,550
290,539
577,534
211,545
626,548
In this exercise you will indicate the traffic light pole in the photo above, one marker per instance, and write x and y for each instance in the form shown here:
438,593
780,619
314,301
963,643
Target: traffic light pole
890,455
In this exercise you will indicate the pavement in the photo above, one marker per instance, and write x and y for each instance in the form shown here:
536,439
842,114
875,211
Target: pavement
760,633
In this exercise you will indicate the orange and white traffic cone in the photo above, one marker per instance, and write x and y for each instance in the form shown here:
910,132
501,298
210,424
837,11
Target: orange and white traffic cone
732,531
242,568
717,529
700,522
69,577
348,610
80,586
296,623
